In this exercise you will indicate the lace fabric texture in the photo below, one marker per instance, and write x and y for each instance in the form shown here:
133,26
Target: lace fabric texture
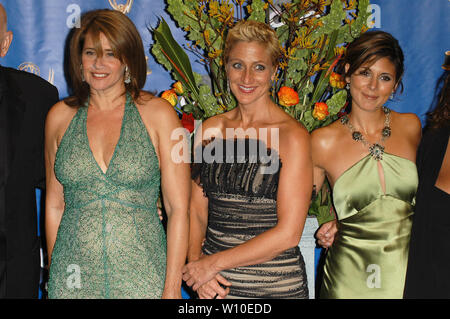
110,242
241,205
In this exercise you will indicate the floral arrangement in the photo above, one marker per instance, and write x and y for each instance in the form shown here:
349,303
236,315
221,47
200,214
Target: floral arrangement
312,34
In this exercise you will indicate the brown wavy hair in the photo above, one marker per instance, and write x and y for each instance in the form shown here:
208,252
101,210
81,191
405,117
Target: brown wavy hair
125,42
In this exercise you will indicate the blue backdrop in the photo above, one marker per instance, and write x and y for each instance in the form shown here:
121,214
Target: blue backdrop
40,29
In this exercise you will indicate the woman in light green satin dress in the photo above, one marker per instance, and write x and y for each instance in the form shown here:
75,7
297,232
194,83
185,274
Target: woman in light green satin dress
368,156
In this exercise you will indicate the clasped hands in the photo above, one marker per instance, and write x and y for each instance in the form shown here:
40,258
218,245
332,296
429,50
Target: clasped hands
326,234
202,276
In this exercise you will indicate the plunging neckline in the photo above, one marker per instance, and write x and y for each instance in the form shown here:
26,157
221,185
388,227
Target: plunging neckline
105,173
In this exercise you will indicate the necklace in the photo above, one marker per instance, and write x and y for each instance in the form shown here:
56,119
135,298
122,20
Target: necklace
375,149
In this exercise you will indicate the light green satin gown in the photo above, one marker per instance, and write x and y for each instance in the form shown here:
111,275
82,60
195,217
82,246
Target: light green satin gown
369,256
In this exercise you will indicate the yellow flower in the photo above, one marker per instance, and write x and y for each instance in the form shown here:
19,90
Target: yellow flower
339,51
214,9
170,96
337,81
320,111
214,53
206,37
178,88
287,96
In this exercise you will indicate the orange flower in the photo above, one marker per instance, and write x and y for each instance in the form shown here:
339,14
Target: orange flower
178,88
337,81
320,111
287,96
170,96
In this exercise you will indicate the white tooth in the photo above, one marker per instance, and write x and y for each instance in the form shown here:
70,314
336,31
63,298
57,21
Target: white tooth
246,89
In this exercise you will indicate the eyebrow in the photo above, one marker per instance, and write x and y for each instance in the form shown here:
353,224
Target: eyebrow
95,49
369,68
240,60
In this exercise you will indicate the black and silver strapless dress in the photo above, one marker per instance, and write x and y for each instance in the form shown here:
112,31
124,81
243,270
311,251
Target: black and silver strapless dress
242,192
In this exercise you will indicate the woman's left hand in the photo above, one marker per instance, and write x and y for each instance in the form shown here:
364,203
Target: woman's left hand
198,272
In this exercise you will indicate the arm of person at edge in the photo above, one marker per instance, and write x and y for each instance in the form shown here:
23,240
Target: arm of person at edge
57,121
198,222
161,121
293,199
327,231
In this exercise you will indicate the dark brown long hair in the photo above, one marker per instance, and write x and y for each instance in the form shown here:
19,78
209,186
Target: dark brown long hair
372,46
440,116
125,42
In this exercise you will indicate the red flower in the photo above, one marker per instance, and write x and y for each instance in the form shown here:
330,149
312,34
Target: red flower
187,120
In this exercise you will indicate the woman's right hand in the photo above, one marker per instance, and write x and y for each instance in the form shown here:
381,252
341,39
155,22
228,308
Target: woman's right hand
213,288
326,233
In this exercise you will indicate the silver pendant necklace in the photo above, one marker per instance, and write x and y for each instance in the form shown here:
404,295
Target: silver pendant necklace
375,149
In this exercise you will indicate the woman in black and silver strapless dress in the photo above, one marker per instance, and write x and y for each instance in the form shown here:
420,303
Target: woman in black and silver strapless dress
242,203
248,209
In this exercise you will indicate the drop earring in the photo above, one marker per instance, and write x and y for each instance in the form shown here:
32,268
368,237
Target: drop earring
127,78
347,86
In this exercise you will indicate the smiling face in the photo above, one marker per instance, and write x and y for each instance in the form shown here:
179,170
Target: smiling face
250,72
102,72
372,85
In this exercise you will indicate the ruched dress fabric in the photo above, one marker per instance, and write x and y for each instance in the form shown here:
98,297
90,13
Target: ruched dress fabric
369,256
242,192
110,242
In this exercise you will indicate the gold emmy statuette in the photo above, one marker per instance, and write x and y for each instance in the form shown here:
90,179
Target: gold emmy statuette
149,71
124,8
51,76
29,67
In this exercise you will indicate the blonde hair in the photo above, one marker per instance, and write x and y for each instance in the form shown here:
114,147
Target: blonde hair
250,30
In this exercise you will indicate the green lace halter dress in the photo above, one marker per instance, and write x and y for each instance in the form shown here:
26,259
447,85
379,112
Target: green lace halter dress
369,256
110,242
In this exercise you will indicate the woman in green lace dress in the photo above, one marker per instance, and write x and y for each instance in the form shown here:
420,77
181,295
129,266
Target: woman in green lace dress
368,156
108,152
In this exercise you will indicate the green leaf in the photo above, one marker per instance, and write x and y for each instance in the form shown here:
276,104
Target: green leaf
176,55
337,101
258,13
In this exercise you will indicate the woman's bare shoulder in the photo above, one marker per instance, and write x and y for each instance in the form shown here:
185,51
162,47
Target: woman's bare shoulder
408,123
157,112
61,109
60,115
326,136
411,120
